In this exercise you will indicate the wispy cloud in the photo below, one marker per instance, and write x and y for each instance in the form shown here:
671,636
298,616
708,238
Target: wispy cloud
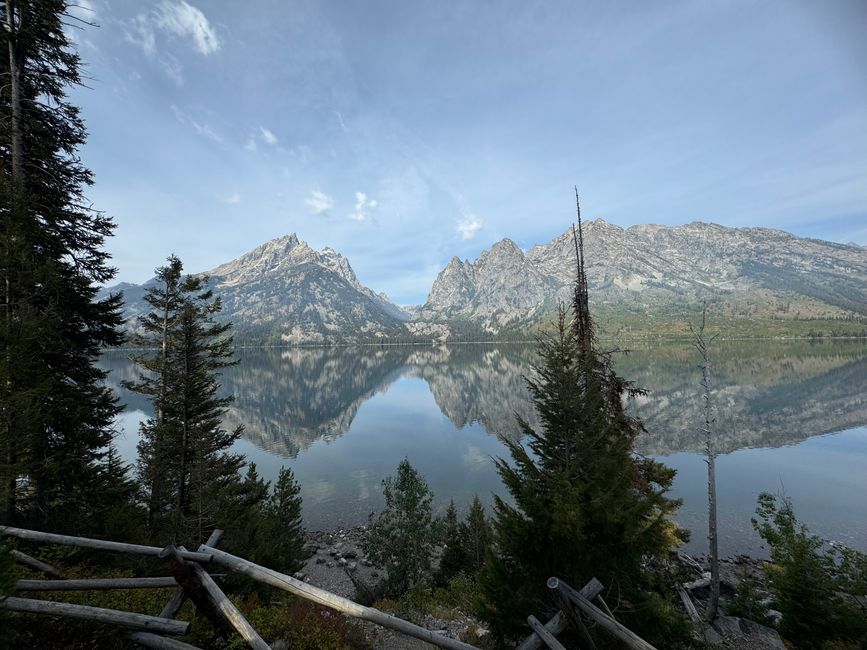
319,203
200,128
233,199
340,121
251,144
469,225
174,18
268,137
184,20
364,206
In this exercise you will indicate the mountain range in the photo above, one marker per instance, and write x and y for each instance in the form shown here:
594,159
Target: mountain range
645,278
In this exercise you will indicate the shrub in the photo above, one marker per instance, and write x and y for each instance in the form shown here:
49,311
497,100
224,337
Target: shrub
400,538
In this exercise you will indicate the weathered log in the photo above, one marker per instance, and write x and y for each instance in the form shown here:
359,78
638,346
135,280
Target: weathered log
97,584
99,544
547,638
33,563
326,598
230,613
149,640
97,615
192,585
691,611
177,600
603,620
603,605
559,622
565,605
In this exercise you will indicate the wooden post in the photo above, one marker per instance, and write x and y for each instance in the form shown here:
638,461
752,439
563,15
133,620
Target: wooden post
326,598
149,640
98,584
230,613
99,544
547,638
189,581
177,600
32,562
689,605
96,614
565,605
603,620
558,623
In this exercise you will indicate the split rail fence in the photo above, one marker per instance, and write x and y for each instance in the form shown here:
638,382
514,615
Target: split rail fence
192,581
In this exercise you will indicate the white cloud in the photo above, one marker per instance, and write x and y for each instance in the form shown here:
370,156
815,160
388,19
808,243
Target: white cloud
469,226
234,199
251,145
201,129
363,207
184,20
319,203
177,18
267,136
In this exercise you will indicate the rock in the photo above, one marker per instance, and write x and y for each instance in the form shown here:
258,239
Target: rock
741,628
342,561
300,575
350,555
279,644
352,566
330,565
366,562
320,560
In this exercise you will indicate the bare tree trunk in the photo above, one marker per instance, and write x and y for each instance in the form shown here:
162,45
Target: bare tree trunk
702,344
10,505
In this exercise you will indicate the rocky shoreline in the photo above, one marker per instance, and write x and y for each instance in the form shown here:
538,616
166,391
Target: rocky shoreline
338,564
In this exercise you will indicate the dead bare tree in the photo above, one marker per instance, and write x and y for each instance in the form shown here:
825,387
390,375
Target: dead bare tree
702,344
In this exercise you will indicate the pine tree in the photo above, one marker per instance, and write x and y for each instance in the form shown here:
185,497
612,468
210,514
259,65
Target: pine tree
56,414
183,459
285,530
476,537
453,560
585,504
400,538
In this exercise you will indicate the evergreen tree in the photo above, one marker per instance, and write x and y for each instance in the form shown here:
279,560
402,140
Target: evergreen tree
476,537
453,560
585,504
56,414
400,538
285,530
184,464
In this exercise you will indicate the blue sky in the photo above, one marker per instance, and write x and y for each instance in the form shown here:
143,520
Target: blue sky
403,133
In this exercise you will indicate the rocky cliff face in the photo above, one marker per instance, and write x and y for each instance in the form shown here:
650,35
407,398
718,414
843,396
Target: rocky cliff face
286,292
647,267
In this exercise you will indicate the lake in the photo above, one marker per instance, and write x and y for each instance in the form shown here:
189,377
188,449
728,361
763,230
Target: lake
791,416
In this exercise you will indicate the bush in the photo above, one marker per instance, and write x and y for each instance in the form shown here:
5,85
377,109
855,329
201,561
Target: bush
400,538
816,585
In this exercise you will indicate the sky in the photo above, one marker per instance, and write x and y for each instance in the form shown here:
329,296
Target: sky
404,133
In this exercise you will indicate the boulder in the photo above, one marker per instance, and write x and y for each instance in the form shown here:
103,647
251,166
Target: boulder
742,628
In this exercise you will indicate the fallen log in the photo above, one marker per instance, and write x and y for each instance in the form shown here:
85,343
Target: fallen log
99,544
96,614
328,599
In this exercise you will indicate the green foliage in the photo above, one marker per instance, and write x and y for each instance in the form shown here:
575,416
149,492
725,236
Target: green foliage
584,504
183,459
57,412
400,538
816,586
468,543
284,525
452,561
747,602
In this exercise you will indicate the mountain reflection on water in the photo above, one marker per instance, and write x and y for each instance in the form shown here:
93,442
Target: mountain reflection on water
767,394
444,406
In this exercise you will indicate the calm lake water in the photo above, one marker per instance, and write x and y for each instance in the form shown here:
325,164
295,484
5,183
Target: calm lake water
791,417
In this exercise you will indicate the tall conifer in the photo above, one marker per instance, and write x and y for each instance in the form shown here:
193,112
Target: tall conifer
56,414
585,504
183,457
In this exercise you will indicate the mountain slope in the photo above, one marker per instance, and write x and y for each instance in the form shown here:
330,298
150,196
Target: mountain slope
650,269
286,292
